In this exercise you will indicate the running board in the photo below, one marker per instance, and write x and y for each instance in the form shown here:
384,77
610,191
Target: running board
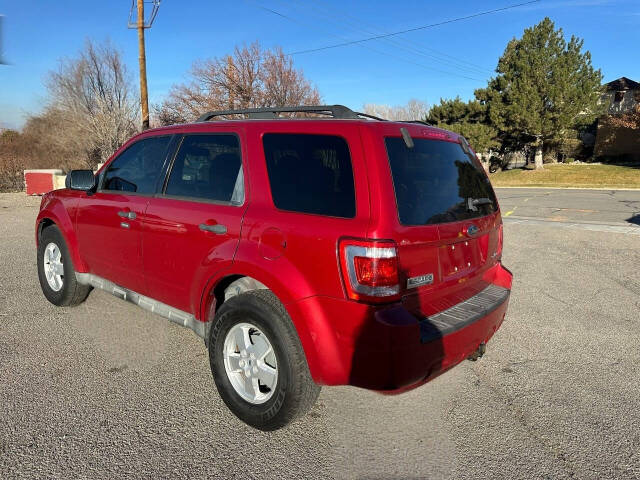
183,319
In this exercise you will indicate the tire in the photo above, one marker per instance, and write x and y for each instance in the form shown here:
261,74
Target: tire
65,291
493,168
294,390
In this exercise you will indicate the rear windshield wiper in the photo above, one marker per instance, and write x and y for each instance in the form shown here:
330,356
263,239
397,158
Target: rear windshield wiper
473,203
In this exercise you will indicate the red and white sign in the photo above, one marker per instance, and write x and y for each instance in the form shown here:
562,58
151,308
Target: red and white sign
38,182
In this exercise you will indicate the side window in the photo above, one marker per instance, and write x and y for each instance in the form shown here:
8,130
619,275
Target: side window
310,174
137,168
208,167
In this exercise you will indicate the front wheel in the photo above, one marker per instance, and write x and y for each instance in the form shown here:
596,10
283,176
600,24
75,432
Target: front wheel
55,270
257,361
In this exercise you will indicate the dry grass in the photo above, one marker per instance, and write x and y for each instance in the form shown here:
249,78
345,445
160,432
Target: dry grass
578,176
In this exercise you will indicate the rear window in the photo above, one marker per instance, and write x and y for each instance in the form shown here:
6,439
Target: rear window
310,174
436,182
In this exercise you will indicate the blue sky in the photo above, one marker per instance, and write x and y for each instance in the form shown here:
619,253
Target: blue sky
444,61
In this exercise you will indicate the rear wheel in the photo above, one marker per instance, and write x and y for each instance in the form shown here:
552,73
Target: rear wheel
257,361
55,270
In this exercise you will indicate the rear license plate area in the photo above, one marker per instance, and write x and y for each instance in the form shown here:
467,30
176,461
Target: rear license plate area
458,258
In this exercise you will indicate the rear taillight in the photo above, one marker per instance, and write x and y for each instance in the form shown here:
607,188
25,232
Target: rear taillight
370,270
499,249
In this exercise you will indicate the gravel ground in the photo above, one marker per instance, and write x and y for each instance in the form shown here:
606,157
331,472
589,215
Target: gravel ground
107,390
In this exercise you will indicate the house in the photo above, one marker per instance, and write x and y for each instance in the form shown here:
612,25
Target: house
621,96
614,142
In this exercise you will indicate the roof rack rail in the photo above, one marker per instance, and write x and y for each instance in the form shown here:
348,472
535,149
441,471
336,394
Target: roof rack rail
422,122
335,111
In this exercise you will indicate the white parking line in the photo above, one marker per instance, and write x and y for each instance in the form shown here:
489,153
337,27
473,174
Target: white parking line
595,227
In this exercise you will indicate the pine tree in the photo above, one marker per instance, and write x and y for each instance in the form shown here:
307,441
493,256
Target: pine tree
469,119
544,87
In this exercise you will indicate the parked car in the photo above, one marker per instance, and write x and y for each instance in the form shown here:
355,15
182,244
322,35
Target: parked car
345,250
508,161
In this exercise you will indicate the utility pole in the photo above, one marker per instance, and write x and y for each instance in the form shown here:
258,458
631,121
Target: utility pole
231,77
140,25
142,60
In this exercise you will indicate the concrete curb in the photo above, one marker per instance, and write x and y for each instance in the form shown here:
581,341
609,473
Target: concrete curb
573,188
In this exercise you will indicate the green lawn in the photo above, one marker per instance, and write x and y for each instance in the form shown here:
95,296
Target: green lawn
567,175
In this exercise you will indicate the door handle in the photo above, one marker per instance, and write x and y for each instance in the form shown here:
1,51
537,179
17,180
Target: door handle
217,229
129,215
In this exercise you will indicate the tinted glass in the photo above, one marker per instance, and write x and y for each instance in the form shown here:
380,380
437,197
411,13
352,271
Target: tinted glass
310,174
208,167
137,168
436,182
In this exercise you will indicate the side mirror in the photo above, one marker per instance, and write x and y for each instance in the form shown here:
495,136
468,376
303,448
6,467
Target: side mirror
80,180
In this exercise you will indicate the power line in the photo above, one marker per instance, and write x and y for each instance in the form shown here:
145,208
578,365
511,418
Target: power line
374,30
428,67
412,47
423,27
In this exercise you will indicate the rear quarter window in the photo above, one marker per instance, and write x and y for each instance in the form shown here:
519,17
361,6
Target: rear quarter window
437,182
310,174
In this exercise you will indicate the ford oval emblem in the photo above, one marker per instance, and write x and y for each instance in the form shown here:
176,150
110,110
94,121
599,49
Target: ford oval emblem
472,230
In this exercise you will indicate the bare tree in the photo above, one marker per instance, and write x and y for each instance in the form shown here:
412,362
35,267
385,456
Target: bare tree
33,148
251,77
91,111
283,84
93,103
413,110
11,166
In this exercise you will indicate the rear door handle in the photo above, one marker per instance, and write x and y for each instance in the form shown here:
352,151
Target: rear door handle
125,214
217,229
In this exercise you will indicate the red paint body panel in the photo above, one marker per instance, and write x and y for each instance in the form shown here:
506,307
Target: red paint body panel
108,248
295,255
378,347
59,207
179,258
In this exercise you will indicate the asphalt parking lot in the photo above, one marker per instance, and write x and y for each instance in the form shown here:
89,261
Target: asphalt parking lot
107,390
579,206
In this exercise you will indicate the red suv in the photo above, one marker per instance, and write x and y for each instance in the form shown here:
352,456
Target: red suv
311,251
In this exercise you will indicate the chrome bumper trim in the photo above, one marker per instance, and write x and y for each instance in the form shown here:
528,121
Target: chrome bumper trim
183,319
462,314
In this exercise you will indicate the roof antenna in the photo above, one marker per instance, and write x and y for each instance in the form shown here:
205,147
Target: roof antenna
408,141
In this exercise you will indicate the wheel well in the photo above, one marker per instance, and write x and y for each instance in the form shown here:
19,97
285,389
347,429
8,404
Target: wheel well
219,289
44,223
226,288
235,285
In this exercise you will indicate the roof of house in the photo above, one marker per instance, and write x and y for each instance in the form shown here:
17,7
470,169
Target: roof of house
622,83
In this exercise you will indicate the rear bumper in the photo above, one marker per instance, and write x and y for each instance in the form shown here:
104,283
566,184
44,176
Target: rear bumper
390,349
440,348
